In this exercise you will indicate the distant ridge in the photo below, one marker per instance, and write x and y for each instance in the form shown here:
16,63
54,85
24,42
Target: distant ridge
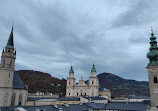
120,86
40,81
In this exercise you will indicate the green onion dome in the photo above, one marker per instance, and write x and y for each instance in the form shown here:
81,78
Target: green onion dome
152,55
93,69
71,70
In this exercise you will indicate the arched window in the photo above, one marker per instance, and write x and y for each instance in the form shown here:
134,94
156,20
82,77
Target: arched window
5,103
77,94
92,82
20,99
155,79
13,99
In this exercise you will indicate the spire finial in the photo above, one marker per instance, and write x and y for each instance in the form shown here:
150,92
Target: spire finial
12,23
93,64
152,31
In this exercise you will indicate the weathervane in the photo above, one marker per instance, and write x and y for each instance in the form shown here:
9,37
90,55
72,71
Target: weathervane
151,29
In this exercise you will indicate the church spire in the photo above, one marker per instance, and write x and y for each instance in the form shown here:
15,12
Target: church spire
10,43
152,55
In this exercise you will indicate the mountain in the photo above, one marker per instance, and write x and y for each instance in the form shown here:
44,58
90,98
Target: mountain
44,82
123,87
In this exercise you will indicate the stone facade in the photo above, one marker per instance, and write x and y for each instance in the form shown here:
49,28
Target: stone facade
103,92
74,89
153,84
12,89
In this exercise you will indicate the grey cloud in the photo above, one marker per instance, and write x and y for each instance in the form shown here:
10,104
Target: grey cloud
142,12
49,37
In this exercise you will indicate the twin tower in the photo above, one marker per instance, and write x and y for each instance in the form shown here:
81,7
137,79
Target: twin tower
74,89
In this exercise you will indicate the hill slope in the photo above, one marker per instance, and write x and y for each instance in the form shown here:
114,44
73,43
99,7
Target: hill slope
120,86
43,82
39,81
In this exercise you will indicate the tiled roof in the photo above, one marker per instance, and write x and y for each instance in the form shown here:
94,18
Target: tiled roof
130,106
17,82
41,108
68,99
94,98
96,106
76,107
30,108
140,97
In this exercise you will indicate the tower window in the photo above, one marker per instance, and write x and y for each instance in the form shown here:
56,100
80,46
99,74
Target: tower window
92,82
69,94
9,75
77,94
155,79
69,83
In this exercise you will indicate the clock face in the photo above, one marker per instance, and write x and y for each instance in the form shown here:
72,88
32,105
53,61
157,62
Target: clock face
156,90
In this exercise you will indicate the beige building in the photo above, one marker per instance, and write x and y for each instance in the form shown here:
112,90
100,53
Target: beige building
74,89
106,93
12,89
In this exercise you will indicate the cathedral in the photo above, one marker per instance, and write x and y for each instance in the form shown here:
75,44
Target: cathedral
74,89
12,89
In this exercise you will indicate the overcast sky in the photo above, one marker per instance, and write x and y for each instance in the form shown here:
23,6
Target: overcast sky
50,35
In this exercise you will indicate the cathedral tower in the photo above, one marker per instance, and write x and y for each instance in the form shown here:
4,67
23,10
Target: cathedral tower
70,83
152,68
93,82
8,63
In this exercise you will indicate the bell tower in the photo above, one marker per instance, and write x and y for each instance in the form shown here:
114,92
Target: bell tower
93,82
7,63
70,83
152,69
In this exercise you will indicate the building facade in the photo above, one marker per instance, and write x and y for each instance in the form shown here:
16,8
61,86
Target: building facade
74,89
12,89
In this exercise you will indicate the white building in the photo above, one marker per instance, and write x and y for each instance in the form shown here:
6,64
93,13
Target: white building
74,89
12,90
